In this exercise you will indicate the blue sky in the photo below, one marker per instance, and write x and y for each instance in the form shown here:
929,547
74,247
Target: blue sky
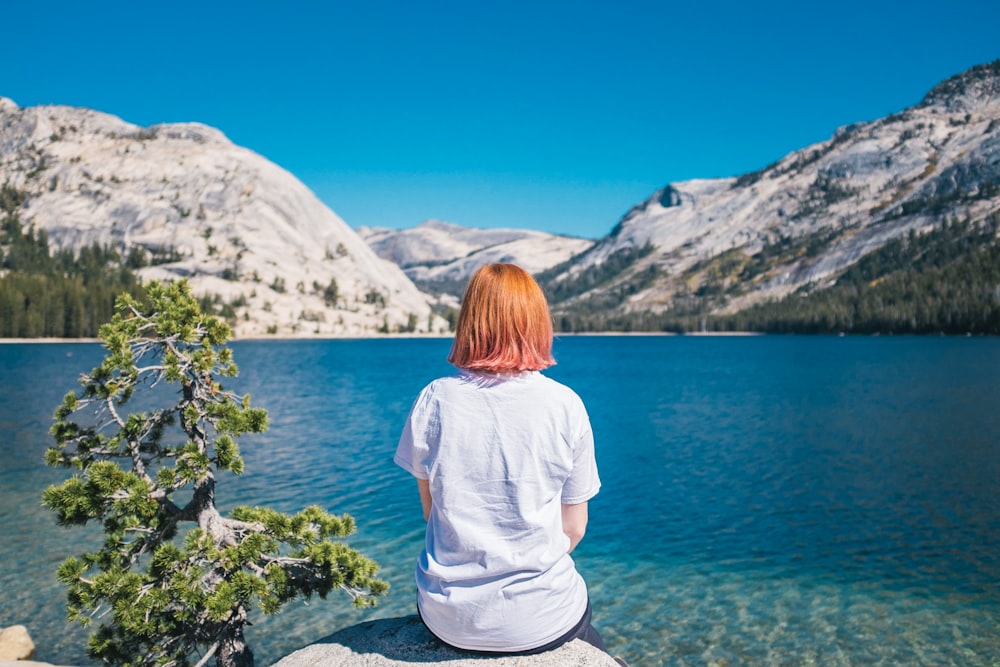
547,115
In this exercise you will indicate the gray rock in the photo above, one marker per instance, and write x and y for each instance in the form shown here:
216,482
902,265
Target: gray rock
394,642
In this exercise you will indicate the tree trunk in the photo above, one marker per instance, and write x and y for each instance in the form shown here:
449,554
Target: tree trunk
233,651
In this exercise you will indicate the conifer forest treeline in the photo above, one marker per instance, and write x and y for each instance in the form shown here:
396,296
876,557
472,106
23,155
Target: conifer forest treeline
946,280
47,294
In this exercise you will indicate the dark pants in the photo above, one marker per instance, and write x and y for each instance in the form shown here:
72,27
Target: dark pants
582,630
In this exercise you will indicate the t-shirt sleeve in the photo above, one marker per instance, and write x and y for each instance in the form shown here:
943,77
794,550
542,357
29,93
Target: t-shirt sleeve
583,482
413,451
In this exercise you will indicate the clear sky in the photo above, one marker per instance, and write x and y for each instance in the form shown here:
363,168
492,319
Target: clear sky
547,115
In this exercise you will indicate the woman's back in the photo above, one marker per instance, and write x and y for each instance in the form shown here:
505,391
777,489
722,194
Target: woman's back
504,461
502,455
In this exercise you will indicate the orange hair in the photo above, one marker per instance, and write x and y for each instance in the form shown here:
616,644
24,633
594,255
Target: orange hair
504,324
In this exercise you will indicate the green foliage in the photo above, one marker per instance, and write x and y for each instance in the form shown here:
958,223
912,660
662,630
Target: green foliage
575,310
330,293
596,276
375,298
946,280
11,199
214,305
54,294
167,255
166,596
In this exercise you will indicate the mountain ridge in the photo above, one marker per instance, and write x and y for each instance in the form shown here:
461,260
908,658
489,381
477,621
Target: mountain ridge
244,229
440,256
833,202
704,250
228,220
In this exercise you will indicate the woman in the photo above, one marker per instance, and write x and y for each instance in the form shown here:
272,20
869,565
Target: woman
504,461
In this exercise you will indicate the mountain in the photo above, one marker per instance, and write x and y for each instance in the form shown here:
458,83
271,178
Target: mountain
889,225
715,247
194,205
440,256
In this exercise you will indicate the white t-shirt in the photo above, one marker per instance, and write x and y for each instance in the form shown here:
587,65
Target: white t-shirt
502,455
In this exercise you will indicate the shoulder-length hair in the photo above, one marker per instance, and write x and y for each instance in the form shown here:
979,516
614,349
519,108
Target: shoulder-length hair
504,324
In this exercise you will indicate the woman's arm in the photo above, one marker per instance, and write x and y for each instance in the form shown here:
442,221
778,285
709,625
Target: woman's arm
574,523
425,496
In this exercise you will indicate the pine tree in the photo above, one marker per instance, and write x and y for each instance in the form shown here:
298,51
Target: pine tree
172,598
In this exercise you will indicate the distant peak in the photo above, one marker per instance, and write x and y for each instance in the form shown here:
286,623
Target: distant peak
7,104
974,86
438,224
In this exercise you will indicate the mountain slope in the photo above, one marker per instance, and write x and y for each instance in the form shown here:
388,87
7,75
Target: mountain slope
202,208
721,245
440,256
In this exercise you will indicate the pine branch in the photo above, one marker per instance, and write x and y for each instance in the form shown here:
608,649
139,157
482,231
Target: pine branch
208,654
198,594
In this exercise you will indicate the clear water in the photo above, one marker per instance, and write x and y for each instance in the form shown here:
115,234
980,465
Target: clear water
766,500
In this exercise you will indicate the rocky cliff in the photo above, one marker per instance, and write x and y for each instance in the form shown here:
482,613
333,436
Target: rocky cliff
202,208
242,228
801,221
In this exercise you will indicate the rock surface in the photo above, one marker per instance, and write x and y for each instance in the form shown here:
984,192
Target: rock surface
395,642
441,256
813,213
15,643
200,207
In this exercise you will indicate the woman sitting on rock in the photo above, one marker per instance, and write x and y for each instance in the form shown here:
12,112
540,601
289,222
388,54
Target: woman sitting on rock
504,461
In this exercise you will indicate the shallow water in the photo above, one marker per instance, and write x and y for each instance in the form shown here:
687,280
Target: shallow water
766,500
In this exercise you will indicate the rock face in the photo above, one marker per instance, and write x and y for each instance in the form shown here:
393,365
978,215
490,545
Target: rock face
815,212
441,256
398,642
15,643
202,208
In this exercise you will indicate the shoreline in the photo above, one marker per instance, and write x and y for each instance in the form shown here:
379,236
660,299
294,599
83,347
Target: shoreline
397,336
595,334
24,341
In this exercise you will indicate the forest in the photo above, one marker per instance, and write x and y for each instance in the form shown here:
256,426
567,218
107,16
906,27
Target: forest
944,281
45,294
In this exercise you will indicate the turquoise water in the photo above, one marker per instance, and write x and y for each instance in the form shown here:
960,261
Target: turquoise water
766,500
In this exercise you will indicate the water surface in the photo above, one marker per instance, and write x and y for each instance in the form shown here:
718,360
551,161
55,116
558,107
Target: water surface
766,501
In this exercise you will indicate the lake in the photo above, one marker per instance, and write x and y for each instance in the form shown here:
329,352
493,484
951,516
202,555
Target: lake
767,500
